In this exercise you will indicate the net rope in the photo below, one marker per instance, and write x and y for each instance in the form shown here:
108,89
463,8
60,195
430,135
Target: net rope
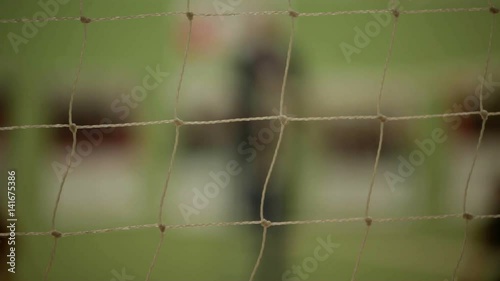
73,129
178,124
250,119
258,13
382,120
241,223
282,117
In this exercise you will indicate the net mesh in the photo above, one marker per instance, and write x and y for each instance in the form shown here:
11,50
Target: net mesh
282,117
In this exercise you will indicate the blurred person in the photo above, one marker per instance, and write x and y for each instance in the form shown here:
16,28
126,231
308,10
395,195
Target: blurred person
259,70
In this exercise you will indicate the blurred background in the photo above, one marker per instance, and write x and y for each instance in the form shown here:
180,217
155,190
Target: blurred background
130,73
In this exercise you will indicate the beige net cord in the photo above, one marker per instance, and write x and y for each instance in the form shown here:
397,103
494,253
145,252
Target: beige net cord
284,121
382,119
73,129
178,123
259,13
248,119
484,115
240,223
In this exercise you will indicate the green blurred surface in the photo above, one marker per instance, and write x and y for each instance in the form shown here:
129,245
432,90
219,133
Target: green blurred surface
427,47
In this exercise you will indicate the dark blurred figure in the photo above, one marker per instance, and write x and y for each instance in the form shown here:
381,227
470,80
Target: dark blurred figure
258,69
491,234
259,73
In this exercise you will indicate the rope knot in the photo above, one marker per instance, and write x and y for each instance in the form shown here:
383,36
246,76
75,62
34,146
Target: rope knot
283,119
190,15
382,118
467,216
56,234
368,221
178,122
265,223
162,227
73,128
85,19
484,114
494,10
293,13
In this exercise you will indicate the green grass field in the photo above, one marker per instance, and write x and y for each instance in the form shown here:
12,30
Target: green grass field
429,51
